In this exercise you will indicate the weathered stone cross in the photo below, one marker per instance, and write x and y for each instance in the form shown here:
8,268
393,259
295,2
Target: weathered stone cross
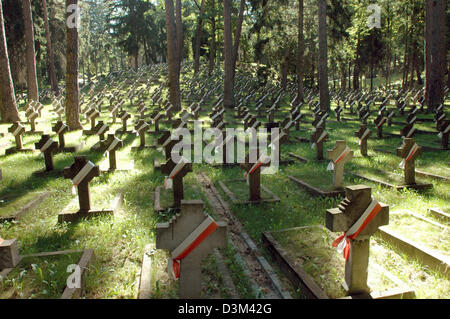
175,174
253,175
179,237
409,151
60,129
339,155
318,137
357,206
111,145
47,146
363,134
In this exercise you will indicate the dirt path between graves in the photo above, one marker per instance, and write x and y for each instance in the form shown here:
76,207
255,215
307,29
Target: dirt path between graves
235,229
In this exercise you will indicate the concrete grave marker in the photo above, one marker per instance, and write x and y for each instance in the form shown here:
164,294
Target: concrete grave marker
318,137
339,155
111,145
359,216
409,151
17,130
190,237
363,134
379,122
47,146
253,175
9,253
174,178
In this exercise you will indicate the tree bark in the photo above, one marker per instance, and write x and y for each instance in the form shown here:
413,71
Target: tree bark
72,90
33,92
237,35
199,37
51,59
228,53
212,51
300,71
323,57
179,28
172,57
435,63
8,105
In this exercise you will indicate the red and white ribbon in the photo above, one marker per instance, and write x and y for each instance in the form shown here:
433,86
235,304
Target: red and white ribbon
412,120
202,232
113,144
92,114
61,129
342,243
444,131
366,132
321,137
246,117
410,155
82,175
224,142
411,131
168,182
341,156
217,115
157,117
441,117
102,129
17,130
262,160
382,121
46,145
123,117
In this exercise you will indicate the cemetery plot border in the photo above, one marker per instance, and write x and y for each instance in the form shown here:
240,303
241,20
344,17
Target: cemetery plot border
439,214
25,209
430,175
272,199
145,278
316,191
67,215
298,158
416,186
300,278
426,256
85,260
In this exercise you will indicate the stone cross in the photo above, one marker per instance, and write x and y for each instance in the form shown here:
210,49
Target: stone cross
169,168
318,137
338,111
363,134
32,115
141,112
111,145
444,129
167,142
253,176
177,234
358,201
389,117
47,146
141,127
156,116
100,129
408,130
124,117
17,130
409,151
82,172
9,253
92,116
339,155
379,122
60,129
320,120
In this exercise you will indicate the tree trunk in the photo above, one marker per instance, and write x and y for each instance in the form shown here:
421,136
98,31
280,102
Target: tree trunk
435,52
237,36
179,28
198,40
228,53
72,90
285,69
323,57
33,92
8,105
172,57
212,51
51,59
300,53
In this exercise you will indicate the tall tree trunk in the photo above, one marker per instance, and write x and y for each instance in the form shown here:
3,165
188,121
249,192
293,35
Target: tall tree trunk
172,57
237,35
179,35
8,105
371,61
72,90
33,92
300,53
198,41
228,99
435,52
285,69
51,59
212,51
323,57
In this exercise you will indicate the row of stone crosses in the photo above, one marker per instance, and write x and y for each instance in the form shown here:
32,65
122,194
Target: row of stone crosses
192,235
